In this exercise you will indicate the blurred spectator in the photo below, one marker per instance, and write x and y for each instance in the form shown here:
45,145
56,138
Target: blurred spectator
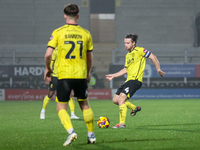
197,23
95,82
32,83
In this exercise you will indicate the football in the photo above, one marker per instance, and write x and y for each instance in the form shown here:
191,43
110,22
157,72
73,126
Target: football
103,122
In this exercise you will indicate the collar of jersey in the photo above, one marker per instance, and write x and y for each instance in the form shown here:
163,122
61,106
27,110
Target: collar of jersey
72,24
132,50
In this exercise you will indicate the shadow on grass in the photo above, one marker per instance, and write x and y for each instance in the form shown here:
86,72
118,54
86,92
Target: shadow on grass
184,124
133,140
151,127
99,145
80,119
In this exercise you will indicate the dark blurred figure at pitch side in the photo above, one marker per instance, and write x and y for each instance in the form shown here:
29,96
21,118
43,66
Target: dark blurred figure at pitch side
95,82
32,83
197,23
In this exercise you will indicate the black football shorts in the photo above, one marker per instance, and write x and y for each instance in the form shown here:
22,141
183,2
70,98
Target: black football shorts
129,88
65,86
53,84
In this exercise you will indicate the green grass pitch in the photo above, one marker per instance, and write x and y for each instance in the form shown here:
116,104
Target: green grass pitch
161,125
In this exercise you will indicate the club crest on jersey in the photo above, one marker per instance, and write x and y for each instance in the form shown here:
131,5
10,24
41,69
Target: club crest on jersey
51,37
130,61
145,51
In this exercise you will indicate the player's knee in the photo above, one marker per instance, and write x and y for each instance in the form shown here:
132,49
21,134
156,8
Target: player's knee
61,106
84,104
115,101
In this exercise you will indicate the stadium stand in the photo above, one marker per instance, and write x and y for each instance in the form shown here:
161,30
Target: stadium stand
102,59
162,85
153,85
15,85
182,85
191,85
166,55
144,85
172,85
166,28
5,85
24,86
34,55
43,86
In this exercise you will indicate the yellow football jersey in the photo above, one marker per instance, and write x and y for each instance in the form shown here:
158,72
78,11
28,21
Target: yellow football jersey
54,63
73,42
135,63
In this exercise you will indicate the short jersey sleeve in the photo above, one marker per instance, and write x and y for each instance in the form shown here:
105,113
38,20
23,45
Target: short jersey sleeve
53,41
90,43
54,55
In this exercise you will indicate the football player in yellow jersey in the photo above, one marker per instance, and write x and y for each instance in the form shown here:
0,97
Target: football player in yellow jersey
134,68
74,64
53,88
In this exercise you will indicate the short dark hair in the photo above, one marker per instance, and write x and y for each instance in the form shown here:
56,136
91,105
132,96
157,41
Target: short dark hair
134,37
71,10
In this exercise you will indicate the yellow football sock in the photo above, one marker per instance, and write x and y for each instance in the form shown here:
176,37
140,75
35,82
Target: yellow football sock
89,119
71,105
65,119
46,102
122,113
130,105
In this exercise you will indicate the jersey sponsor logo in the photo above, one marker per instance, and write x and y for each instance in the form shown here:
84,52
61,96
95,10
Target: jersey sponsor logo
51,37
73,36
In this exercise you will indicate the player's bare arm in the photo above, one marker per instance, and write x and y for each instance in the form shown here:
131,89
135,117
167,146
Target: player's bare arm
89,65
157,64
122,72
48,71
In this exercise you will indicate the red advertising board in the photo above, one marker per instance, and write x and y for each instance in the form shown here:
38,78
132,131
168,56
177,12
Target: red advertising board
100,94
29,94
25,94
198,71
